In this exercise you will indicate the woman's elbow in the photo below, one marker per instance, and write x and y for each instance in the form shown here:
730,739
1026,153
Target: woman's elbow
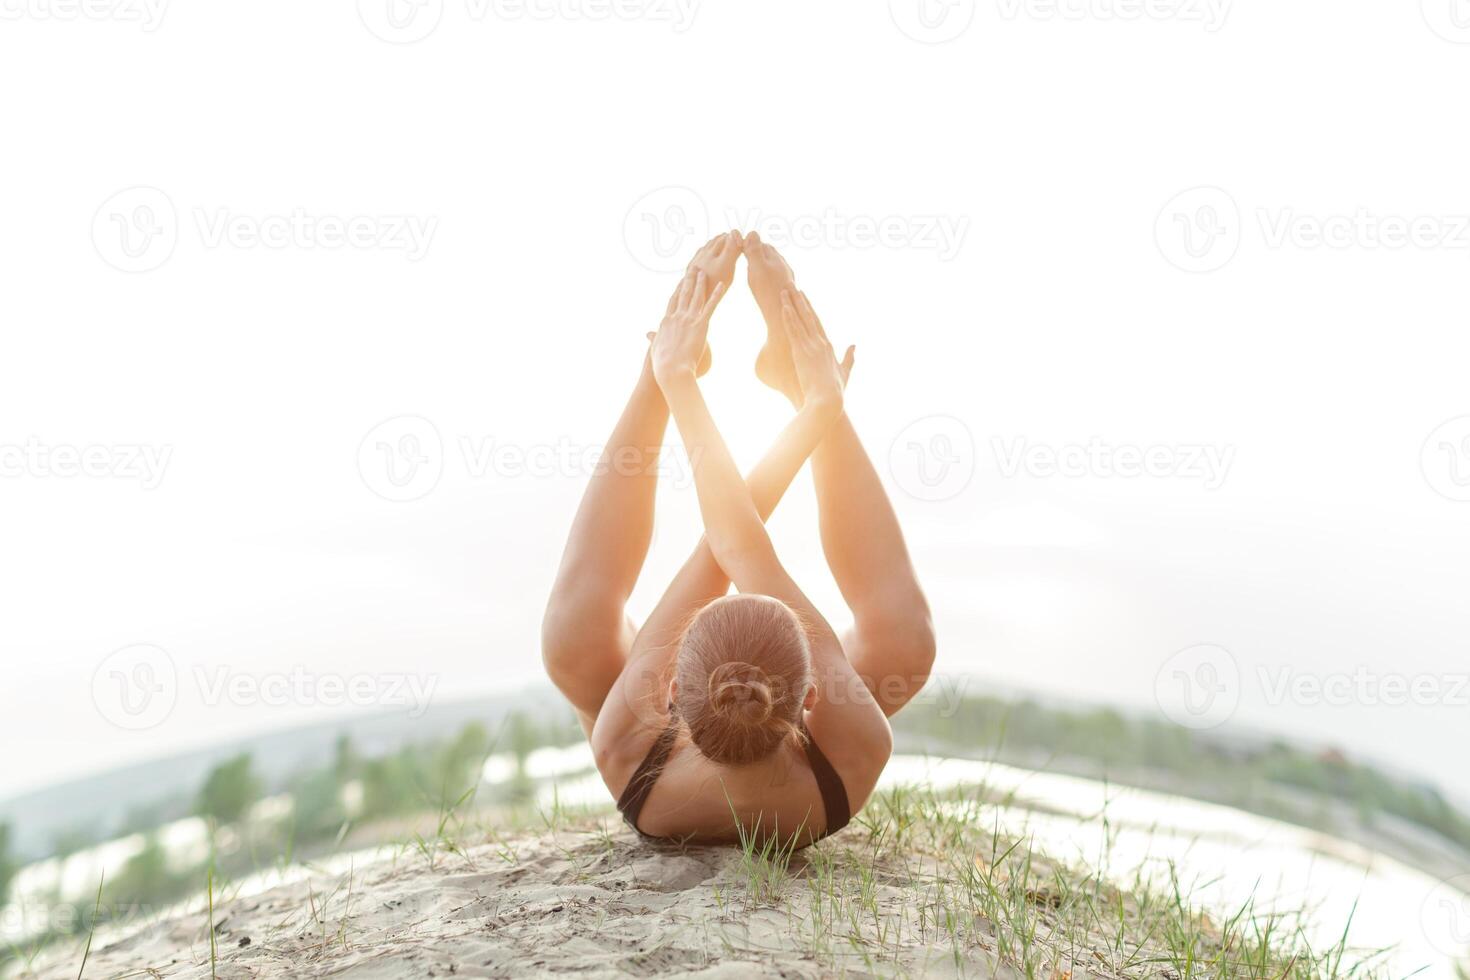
905,632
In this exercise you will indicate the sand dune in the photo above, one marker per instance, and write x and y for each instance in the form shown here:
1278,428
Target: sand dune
586,901
917,886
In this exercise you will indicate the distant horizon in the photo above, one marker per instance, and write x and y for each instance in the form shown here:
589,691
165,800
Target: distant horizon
460,706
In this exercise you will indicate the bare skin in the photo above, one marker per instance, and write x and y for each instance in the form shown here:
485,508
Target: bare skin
586,633
861,536
717,261
617,676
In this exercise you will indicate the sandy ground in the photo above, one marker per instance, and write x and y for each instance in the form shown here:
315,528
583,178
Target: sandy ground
924,883
597,903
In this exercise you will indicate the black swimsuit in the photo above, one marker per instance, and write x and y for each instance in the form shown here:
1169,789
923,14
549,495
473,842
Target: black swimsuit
834,794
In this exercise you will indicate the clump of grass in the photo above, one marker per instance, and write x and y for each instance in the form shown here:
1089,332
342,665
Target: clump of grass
765,863
918,875
764,857
445,837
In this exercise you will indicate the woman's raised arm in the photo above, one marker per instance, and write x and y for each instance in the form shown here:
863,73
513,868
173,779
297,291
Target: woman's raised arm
844,714
635,702
733,526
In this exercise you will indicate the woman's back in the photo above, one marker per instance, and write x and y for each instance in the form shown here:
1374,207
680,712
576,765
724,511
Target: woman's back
681,794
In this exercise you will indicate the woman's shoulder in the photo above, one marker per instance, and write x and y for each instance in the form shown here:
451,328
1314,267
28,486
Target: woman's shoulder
621,743
857,744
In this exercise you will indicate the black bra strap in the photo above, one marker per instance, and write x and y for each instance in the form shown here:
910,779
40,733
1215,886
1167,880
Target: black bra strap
834,794
635,794
836,809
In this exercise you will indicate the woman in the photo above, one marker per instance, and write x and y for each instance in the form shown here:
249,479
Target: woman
730,715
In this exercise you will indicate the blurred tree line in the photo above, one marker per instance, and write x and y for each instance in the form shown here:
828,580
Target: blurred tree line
422,777
1233,770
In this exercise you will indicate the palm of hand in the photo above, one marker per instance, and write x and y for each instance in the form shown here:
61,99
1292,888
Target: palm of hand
680,341
817,370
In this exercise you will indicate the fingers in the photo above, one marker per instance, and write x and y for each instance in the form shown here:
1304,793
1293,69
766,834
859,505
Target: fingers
681,295
810,314
694,293
790,320
699,253
700,293
797,327
806,305
848,360
708,310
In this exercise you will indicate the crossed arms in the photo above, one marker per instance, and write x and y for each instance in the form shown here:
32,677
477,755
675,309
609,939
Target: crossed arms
736,547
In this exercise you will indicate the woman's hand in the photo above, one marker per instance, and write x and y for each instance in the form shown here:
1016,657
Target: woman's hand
821,378
680,341
716,258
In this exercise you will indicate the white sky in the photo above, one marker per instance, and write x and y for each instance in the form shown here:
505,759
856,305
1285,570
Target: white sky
1053,143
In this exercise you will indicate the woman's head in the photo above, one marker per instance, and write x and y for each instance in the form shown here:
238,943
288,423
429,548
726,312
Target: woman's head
741,678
